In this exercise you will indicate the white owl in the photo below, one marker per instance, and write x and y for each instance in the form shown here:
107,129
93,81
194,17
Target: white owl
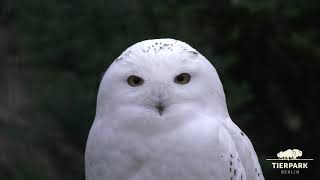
162,115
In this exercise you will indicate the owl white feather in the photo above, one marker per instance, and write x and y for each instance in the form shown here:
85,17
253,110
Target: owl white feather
161,115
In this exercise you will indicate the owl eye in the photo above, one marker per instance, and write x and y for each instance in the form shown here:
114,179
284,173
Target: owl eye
134,81
182,78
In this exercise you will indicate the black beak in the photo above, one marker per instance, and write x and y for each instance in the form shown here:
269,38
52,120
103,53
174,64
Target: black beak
160,108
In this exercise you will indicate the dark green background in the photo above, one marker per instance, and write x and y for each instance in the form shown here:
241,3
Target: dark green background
53,54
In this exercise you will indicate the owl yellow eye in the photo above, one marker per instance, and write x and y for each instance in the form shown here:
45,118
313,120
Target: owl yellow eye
182,78
134,81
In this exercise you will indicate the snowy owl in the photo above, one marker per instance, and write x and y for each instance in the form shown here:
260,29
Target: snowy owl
162,115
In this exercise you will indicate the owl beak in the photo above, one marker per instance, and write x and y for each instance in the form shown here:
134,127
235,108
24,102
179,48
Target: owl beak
160,107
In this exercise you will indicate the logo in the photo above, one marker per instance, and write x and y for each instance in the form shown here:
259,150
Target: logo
292,163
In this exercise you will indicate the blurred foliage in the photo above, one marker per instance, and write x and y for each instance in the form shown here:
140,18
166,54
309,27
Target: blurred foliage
266,52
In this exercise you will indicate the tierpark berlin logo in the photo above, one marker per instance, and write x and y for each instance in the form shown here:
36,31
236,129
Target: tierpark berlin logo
289,161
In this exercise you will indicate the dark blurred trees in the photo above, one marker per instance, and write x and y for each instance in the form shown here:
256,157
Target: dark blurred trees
266,52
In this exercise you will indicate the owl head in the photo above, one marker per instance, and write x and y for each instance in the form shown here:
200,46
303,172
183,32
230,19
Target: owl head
160,82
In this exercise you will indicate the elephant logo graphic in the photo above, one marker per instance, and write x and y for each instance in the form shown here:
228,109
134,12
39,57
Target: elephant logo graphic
289,154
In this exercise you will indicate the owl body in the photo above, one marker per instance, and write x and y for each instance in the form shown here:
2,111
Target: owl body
194,150
161,114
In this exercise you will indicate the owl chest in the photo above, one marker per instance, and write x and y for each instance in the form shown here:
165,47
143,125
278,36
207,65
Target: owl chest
183,145
180,155
188,153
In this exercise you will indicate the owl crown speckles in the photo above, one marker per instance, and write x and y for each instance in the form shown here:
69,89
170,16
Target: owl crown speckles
159,45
